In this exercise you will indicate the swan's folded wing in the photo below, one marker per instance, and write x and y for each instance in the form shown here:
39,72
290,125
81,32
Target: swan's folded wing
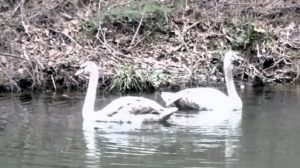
149,114
144,110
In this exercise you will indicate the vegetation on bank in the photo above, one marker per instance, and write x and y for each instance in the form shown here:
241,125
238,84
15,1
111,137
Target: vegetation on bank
146,44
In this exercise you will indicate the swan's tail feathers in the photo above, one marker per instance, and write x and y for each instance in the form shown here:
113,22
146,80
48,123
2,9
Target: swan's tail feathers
168,98
168,113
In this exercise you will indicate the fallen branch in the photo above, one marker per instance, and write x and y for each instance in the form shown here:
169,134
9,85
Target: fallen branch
12,55
137,30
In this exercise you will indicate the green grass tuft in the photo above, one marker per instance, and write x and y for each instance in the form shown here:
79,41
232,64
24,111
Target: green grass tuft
155,16
135,10
130,78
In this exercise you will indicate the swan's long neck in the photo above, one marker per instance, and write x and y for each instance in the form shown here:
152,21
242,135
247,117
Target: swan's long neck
234,99
89,102
232,93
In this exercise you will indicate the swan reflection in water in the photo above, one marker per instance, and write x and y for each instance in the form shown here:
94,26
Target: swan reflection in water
204,132
222,126
119,138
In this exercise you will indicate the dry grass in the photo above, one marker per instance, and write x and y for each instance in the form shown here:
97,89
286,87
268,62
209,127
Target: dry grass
49,40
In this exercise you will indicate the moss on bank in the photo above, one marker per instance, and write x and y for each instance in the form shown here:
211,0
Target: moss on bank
172,43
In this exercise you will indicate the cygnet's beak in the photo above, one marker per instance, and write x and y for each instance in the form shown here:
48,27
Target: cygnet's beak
80,71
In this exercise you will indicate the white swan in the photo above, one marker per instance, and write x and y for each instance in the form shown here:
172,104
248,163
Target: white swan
125,109
208,98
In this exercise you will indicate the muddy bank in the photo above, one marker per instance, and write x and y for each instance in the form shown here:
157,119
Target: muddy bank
169,43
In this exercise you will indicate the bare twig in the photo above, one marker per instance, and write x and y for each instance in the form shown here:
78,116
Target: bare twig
99,5
53,82
137,30
110,49
120,4
140,40
11,79
12,55
69,37
191,26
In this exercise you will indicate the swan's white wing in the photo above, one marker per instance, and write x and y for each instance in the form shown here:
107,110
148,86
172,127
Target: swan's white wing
209,98
197,98
148,110
130,108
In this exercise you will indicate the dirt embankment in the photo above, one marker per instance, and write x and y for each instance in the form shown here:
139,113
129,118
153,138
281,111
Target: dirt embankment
177,42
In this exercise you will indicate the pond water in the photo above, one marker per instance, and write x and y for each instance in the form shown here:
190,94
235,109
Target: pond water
47,131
